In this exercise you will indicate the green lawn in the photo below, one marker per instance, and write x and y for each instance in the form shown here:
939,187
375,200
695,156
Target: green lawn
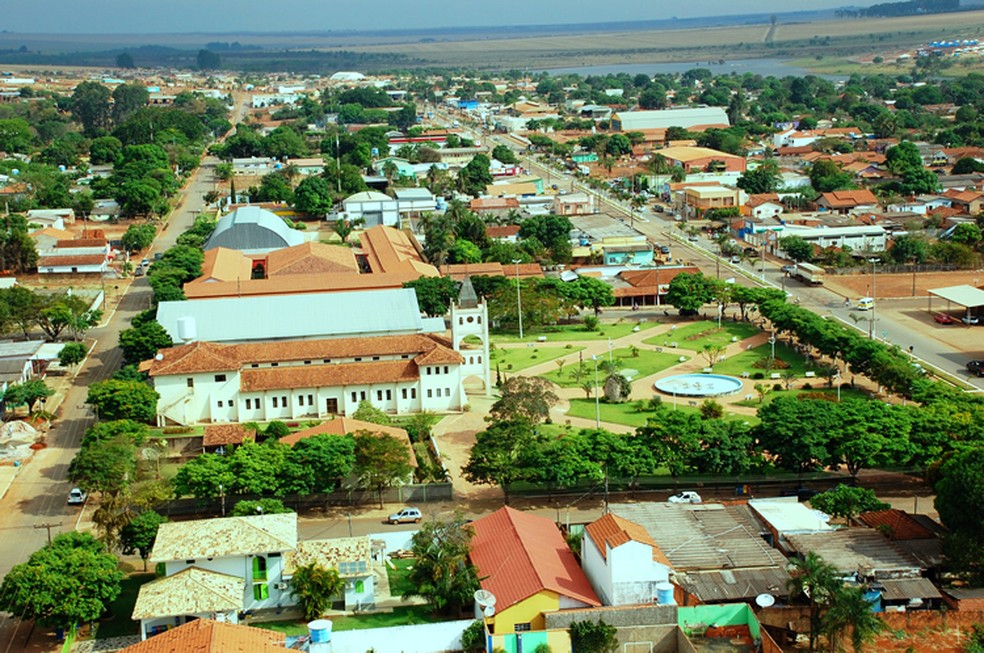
626,413
119,622
408,615
514,359
575,332
743,362
708,333
399,577
645,363
846,393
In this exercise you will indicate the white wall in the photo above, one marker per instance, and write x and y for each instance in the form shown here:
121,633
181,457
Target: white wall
242,566
425,638
596,569
629,575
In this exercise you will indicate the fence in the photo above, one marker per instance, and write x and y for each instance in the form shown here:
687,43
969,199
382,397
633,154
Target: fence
892,269
413,493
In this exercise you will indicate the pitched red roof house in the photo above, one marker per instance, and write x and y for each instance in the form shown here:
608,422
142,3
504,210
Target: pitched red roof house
845,200
519,555
207,636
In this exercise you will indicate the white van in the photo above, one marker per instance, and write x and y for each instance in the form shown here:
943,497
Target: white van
866,303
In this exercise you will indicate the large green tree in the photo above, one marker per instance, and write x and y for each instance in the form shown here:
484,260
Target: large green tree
528,398
689,292
763,179
817,580
140,534
847,502
434,294
315,589
381,461
124,400
313,196
68,582
475,176
142,342
91,106
441,571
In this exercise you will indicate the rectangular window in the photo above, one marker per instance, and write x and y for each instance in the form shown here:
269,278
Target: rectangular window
259,568
375,358
389,395
445,369
274,402
326,361
404,393
355,397
283,402
307,362
405,356
191,383
249,404
219,378
274,364
254,365
447,392
430,393
428,371
362,395
300,400
379,395
522,628
413,393
261,592
310,400
358,359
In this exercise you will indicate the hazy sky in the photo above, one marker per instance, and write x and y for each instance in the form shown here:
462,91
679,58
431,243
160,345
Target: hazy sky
215,16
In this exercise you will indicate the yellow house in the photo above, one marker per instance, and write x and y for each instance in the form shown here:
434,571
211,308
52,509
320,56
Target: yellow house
526,565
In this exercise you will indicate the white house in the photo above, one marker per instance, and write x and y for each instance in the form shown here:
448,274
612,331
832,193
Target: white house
414,201
622,562
863,238
304,379
219,568
372,208
253,165
56,218
77,256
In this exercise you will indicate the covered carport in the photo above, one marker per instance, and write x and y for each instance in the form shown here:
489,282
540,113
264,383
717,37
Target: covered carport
971,298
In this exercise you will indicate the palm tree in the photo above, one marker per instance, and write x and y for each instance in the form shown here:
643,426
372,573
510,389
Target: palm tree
849,609
315,587
816,579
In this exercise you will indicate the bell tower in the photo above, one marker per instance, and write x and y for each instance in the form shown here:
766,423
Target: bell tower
470,317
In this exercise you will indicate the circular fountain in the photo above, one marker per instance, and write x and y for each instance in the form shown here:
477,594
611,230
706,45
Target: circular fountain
699,385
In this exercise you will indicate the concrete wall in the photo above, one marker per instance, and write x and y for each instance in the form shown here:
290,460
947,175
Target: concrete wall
425,638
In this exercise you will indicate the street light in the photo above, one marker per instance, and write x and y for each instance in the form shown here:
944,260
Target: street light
837,378
222,494
874,297
597,399
519,299
772,341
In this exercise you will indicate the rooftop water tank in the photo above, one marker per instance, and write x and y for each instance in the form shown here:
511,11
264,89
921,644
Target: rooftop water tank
187,329
664,594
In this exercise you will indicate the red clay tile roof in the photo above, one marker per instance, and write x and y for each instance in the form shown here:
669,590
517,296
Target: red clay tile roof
224,264
503,231
519,554
81,242
762,198
342,425
74,261
323,376
614,531
311,258
207,636
223,434
199,357
643,282
842,199
459,271
439,356
900,524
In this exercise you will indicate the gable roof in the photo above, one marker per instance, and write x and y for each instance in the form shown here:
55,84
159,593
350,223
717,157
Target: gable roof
224,537
207,636
224,264
190,591
342,425
201,357
222,434
519,554
355,552
899,524
325,376
844,199
612,531
311,258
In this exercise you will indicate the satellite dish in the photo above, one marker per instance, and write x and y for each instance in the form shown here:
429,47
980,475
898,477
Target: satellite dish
484,598
159,357
489,611
765,600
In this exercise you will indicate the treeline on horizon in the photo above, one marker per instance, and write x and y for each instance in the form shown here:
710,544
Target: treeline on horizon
907,8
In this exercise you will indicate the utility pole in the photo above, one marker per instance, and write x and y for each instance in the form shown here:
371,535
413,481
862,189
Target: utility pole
48,528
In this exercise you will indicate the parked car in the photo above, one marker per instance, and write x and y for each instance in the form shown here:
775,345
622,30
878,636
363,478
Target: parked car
139,272
658,208
693,238
144,262
735,259
76,497
687,496
788,269
751,252
944,318
664,249
970,319
976,367
406,516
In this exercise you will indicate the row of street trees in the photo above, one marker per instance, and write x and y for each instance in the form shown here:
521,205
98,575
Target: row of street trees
23,310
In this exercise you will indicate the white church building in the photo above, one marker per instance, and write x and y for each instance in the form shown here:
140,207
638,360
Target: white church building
258,381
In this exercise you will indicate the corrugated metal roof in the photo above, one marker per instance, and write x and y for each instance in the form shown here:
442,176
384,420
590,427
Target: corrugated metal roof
909,588
253,228
967,296
664,118
734,584
704,536
392,311
852,550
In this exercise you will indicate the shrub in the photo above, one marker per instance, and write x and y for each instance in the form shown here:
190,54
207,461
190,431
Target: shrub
758,376
777,387
590,323
177,430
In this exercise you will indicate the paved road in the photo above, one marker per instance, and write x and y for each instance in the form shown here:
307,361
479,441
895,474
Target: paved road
38,494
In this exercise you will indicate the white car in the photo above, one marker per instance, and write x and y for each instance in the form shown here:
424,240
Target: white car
76,497
970,319
687,496
406,516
